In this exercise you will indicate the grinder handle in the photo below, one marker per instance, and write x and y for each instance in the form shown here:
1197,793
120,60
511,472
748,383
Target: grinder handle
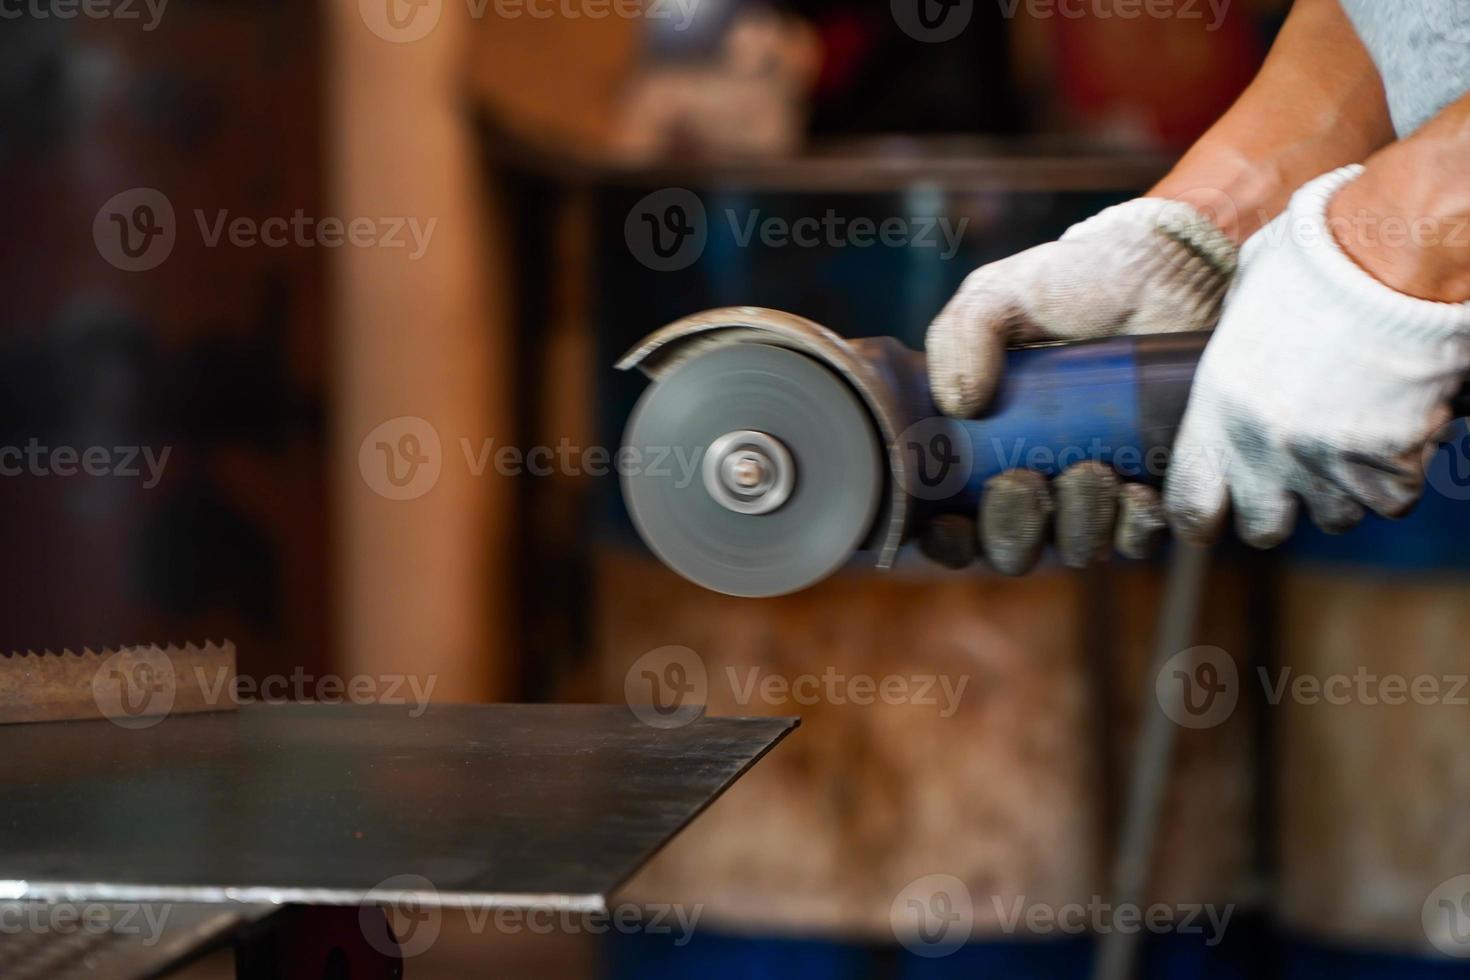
1118,401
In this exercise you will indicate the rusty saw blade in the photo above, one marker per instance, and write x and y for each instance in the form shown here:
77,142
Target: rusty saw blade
134,686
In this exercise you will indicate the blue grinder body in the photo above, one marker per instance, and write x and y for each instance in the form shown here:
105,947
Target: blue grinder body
1118,401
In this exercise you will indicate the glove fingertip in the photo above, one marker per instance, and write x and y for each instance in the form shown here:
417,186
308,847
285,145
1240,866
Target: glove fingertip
1141,521
962,379
964,348
1265,517
951,540
1194,506
1086,502
1015,511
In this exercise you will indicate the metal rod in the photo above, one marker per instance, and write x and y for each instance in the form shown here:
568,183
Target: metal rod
1133,863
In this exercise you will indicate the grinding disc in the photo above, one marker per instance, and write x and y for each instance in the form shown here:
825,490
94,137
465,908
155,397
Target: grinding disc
836,457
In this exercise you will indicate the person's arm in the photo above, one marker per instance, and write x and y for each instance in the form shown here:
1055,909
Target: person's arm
1330,376
1317,104
1156,264
1406,221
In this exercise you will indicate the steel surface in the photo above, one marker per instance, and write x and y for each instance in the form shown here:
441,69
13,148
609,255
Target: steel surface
493,805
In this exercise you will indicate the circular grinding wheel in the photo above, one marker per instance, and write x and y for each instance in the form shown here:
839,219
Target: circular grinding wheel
836,457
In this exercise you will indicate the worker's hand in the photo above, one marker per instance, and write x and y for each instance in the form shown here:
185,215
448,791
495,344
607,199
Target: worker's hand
1147,266
1321,383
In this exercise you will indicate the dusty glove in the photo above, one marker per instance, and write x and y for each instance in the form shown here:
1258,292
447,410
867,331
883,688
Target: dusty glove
1321,383
1147,266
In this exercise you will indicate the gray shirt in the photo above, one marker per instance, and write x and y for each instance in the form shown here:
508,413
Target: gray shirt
1422,50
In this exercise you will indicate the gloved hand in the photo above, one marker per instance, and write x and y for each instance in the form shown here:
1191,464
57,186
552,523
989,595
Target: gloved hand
1147,266
1320,383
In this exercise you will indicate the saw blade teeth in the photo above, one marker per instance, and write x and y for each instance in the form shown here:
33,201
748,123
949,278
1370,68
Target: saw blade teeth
210,648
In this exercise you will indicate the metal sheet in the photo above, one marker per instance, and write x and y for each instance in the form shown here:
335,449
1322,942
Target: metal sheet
484,805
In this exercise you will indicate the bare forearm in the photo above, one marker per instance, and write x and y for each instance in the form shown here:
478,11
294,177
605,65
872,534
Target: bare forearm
1406,221
1316,104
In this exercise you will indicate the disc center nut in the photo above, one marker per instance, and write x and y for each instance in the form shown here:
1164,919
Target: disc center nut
749,472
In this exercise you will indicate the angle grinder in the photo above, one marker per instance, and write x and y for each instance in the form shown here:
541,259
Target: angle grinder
811,447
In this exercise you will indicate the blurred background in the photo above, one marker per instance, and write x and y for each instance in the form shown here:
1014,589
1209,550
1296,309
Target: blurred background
316,278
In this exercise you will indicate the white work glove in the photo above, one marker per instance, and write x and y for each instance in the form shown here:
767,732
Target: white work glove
1320,383
1148,266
